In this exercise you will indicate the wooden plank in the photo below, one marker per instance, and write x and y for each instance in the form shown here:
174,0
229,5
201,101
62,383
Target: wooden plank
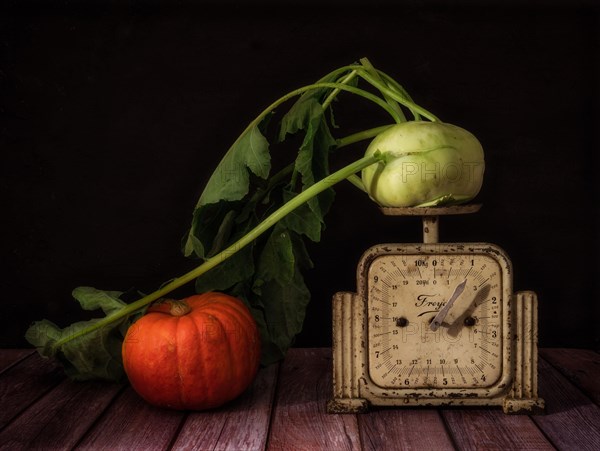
492,429
23,383
572,420
243,424
300,419
406,429
131,424
9,357
59,419
580,366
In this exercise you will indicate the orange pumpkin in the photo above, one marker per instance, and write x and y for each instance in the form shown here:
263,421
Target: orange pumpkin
196,354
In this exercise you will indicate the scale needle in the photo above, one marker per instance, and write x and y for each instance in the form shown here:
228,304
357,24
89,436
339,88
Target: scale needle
439,318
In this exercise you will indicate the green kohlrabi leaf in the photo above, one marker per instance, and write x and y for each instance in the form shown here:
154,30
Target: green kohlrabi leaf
230,182
284,308
301,111
211,225
302,220
280,296
96,355
277,260
312,164
237,267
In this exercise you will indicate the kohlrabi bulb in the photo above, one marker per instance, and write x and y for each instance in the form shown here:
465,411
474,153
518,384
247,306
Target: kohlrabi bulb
425,163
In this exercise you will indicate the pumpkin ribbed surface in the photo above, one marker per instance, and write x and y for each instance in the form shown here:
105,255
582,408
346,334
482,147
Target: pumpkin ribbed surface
197,361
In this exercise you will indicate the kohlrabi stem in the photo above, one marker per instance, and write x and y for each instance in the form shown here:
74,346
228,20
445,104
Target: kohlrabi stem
336,91
357,137
398,88
394,95
335,85
360,136
391,102
261,228
357,182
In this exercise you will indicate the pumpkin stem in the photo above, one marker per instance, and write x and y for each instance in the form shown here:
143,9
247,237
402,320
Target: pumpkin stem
172,306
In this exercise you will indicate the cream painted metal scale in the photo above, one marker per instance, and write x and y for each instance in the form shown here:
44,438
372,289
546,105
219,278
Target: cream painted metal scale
435,324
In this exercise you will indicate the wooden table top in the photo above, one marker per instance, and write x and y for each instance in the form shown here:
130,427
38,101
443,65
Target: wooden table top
285,410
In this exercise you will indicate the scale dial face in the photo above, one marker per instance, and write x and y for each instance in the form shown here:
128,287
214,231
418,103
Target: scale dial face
436,318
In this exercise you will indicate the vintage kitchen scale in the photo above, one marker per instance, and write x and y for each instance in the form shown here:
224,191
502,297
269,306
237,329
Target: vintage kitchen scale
435,324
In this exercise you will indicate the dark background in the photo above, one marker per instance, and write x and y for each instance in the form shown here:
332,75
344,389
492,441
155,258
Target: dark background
113,117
